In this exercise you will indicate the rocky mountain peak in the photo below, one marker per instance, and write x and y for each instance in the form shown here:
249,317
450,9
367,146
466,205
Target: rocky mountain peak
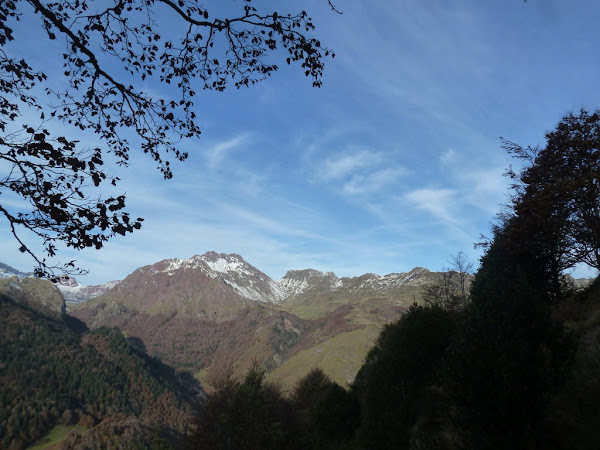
231,269
67,281
308,274
75,292
296,282
416,276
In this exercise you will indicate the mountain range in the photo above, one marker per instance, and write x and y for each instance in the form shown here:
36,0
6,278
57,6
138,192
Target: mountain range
216,314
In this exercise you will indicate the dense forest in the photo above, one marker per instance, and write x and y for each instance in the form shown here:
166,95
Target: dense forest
53,372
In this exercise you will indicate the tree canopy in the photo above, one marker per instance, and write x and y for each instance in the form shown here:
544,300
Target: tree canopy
555,221
110,48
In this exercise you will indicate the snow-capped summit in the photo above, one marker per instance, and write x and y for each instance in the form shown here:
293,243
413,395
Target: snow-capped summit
416,276
231,269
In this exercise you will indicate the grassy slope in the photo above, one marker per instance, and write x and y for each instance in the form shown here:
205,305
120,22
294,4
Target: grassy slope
339,357
55,436
342,355
370,308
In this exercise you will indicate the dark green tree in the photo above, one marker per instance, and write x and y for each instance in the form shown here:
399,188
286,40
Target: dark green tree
110,50
398,372
251,414
508,357
328,414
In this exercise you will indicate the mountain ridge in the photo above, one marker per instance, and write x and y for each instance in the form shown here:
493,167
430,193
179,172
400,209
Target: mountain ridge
216,313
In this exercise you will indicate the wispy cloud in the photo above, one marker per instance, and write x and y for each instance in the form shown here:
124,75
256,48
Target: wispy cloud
357,173
437,202
448,157
345,164
486,188
217,152
372,182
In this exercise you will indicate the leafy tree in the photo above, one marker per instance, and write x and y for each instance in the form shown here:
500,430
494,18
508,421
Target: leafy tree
556,204
328,413
109,47
337,416
310,389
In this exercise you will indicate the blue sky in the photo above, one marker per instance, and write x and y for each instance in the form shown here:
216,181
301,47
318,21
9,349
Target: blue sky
394,163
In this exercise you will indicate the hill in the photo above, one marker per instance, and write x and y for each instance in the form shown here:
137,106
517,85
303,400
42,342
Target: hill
53,372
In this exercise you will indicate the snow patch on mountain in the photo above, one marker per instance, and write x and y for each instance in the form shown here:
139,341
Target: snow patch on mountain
74,292
293,287
296,282
244,279
393,280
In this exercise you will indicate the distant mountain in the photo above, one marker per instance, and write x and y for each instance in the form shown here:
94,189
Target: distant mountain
215,313
213,287
306,283
296,283
74,292
7,271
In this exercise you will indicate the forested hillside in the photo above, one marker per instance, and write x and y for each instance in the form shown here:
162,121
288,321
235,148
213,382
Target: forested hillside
52,372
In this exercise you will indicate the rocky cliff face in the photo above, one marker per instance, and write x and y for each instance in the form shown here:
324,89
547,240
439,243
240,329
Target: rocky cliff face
297,283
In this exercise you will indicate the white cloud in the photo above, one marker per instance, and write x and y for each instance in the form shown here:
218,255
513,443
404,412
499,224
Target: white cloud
359,173
341,166
372,182
485,188
448,157
219,151
437,202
